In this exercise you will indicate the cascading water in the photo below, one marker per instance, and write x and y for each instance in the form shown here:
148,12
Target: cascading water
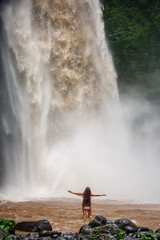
60,124
56,68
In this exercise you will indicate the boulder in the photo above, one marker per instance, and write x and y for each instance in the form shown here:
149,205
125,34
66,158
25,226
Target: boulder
127,225
34,226
86,229
144,229
98,221
109,228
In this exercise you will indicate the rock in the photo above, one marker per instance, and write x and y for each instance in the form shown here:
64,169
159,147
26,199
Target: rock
3,234
110,221
157,235
45,233
30,236
55,234
84,238
12,236
34,226
98,221
144,229
109,236
68,236
86,229
109,228
129,229
45,238
144,235
127,225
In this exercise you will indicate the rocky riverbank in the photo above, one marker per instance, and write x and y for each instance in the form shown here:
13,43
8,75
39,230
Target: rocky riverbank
65,215
99,228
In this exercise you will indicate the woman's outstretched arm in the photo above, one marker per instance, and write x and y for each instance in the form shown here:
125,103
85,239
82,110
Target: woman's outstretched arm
98,195
80,194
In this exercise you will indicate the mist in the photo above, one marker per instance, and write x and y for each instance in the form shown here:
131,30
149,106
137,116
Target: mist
115,152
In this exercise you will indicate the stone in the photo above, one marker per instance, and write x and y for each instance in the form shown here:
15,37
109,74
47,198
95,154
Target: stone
85,229
127,225
34,226
98,221
55,234
109,228
110,221
30,236
157,235
68,236
3,233
13,236
84,238
45,233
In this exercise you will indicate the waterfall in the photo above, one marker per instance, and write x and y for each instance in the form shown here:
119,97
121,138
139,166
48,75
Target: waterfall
57,69
62,125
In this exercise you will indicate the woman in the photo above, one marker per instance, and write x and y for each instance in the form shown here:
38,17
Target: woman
86,203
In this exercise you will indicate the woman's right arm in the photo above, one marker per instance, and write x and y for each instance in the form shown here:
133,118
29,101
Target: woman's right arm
79,194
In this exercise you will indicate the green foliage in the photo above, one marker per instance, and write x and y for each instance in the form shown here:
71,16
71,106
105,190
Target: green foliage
152,237
119,235
133,32
96,234
6,225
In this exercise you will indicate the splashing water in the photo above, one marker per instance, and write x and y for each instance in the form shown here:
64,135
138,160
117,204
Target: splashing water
63,127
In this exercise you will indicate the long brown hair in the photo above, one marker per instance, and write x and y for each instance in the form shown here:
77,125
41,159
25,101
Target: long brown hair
86,197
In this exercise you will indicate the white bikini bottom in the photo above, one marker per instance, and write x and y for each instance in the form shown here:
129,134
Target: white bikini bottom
86,207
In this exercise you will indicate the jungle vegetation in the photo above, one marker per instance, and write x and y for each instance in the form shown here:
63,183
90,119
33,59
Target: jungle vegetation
133,32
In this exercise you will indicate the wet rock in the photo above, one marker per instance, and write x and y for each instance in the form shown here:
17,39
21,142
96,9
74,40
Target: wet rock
34,226
129,229
12,236
30,236
45,233
55,234
157,235
110,221
109,236
127,225
3,233
98,221
84,237
109,228
144,235
68,236
86,229
44,238
144,229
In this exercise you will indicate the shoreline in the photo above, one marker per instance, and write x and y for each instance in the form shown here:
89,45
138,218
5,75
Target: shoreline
66,214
